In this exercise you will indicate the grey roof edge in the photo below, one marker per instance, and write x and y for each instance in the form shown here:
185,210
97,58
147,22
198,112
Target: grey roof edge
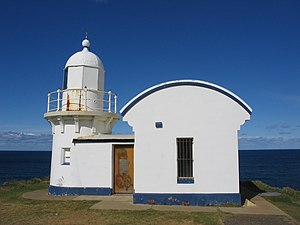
105,138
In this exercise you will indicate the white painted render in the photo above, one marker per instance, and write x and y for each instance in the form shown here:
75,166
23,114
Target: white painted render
176,81
85,77
84,70
84,58
86,159
91,164
210,117
79,112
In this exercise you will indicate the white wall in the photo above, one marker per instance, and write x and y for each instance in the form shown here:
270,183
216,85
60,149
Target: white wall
90,78
208,116
61,175
93,164
75,76
90,163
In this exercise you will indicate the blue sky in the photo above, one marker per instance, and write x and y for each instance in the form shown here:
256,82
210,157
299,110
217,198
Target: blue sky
249,47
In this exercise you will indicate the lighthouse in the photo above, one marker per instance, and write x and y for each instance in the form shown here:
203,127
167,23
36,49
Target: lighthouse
184,149
80,108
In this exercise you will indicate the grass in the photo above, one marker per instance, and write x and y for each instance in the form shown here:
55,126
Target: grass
16,210
288,201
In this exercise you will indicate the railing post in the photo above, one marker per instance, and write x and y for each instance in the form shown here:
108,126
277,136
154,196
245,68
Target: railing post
58,100
109,101
48,105
115,109
85,98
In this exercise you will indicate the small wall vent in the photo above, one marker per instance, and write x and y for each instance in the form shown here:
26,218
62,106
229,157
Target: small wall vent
158,124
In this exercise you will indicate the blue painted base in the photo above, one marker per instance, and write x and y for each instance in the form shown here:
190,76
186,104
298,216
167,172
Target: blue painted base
187,199
59,191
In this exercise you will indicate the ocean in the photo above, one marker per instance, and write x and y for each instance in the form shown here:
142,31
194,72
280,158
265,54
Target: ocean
24,165
278,168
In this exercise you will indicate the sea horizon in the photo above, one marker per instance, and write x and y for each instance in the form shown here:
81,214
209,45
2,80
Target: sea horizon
268,149
275,167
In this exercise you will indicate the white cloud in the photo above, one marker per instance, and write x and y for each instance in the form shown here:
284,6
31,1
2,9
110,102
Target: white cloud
259,142
25,141
30,141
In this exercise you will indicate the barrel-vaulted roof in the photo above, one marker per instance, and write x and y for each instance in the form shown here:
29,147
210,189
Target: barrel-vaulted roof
176,83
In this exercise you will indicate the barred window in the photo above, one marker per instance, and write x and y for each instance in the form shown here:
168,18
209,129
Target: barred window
66,155
184,159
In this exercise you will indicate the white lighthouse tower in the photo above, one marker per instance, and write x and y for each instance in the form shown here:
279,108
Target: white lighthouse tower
81,108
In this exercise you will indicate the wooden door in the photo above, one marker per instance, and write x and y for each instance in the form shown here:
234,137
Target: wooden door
123,170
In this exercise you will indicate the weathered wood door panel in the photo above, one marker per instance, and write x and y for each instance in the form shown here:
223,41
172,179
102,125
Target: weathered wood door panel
123,171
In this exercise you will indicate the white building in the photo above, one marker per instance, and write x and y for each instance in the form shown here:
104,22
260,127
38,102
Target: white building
184,149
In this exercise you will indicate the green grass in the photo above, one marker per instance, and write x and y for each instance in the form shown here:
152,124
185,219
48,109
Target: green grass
14,209
288,201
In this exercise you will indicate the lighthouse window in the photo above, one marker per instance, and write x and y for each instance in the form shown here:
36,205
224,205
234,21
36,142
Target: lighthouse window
66,155
65,79
185,160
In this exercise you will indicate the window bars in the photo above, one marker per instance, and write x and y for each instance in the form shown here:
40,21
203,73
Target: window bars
185,158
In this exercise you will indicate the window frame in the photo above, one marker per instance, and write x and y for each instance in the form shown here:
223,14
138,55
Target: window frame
65,160
65,79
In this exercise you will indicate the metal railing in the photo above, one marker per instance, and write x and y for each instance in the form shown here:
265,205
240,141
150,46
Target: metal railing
81,100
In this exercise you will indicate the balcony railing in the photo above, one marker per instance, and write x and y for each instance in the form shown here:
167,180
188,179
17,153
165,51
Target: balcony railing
81,100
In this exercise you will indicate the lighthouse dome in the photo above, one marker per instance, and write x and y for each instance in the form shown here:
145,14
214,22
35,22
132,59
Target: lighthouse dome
85,57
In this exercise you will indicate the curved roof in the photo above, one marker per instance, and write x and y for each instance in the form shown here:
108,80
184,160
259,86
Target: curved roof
175,83
84,57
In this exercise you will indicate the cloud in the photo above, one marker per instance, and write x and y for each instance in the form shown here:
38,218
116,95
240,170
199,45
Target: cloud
276,126
259,142
291,99
283,128
30,141
285,125
25,141
284,132
272,126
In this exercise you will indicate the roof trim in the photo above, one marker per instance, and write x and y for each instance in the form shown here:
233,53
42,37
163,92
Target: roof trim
176,83
106,138
112,140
